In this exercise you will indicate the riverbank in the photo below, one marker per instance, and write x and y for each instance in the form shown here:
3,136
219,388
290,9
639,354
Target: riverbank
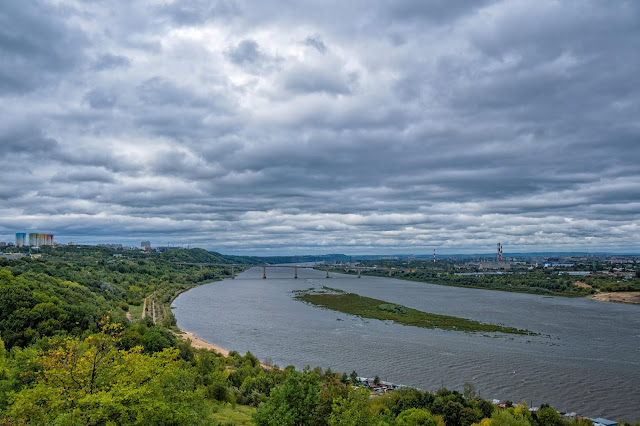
199,343
632,297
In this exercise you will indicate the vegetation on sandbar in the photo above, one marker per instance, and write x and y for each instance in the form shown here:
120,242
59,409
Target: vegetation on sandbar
366,307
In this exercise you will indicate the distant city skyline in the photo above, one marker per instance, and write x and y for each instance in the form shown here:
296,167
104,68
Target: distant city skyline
324,126
427,254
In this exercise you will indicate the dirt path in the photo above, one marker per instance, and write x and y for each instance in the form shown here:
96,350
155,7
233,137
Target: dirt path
149,308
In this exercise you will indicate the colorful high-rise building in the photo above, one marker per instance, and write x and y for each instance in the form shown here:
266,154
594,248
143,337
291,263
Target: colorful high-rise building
36,239
21,239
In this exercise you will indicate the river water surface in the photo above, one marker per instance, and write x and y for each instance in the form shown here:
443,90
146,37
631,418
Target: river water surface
587,358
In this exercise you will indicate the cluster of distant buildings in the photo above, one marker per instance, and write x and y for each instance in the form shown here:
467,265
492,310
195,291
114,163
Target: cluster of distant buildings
144,246
34,239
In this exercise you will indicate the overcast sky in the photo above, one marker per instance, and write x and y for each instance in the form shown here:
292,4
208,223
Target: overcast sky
273,127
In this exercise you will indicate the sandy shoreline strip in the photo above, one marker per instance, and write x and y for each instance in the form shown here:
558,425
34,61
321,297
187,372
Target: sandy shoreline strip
198,343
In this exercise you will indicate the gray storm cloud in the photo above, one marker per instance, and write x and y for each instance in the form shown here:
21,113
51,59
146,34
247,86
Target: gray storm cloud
278,127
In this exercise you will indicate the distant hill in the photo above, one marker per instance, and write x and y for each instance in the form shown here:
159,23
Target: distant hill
257,260
195,255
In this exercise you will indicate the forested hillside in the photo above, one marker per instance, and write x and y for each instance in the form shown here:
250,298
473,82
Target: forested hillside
196,255
276,260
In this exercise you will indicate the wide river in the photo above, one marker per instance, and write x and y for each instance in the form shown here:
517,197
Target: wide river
587,358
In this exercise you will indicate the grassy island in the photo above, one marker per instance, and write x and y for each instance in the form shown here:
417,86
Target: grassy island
366,307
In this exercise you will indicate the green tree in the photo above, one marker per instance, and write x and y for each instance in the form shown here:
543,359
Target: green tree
330,391
354,410
451,413
469,415
485,407
415,417
507,418
4,376
155,339
328,372
406,398
437,405
547,416
469,391
295,402
344,379
3,353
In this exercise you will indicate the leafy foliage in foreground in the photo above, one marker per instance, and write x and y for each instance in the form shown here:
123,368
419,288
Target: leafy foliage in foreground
91,381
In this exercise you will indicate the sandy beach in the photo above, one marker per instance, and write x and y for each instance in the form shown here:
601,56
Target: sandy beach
632,297
198,343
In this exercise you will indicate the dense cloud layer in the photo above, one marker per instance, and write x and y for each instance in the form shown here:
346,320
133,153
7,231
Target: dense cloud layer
323,126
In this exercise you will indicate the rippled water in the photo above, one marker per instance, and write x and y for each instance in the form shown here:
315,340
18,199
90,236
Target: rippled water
587,361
